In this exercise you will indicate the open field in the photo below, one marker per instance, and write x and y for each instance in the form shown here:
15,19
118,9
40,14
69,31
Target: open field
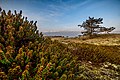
103,39
100,48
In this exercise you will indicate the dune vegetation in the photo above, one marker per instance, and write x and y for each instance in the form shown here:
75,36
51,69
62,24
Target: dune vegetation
25,54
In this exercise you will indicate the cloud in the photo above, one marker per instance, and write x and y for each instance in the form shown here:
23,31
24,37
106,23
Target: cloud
62,14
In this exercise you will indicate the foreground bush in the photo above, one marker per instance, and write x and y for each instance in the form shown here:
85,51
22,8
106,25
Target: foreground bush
25,54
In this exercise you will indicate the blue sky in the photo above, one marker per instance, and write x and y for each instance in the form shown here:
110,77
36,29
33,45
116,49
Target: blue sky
65,15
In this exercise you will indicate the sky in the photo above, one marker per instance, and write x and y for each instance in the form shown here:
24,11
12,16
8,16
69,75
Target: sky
65,15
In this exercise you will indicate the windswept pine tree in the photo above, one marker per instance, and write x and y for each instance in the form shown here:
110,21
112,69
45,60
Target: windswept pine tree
92,26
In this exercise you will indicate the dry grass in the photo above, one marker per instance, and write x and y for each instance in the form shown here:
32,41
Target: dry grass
102,39
104,47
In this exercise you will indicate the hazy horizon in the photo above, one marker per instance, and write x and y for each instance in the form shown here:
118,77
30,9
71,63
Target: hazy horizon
65,15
